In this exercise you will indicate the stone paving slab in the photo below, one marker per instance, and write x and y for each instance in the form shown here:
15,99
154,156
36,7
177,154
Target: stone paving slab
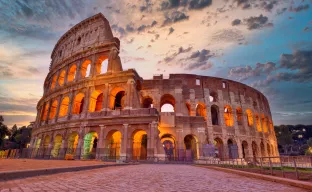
30,164
146,177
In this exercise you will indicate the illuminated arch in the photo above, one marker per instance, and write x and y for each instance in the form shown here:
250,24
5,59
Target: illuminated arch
218,143
72,143
191,145
56,146
117,98
167,103
53,83
239,116
250,120
258,124
101,65
90,145
78,103
96,101
201,110
114,138
228,116
85,68
264,123
45,112
72,73
61,78
139,145
53,109
64,107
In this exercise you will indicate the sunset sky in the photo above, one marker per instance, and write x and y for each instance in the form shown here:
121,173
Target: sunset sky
266,44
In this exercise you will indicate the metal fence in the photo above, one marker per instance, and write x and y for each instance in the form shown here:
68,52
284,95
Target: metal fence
293,167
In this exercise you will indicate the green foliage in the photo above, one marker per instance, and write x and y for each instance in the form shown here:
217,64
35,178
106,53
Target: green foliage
4,131
284,136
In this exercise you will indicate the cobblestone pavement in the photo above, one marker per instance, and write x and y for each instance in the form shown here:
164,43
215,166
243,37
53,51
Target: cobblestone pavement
145,178
24,164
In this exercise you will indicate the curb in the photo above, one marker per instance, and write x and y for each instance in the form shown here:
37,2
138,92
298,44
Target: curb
295,183
11,175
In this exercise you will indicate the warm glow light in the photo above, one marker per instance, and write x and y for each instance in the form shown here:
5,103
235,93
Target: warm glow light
167,108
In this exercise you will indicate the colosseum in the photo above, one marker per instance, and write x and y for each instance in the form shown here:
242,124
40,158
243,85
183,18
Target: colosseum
92,108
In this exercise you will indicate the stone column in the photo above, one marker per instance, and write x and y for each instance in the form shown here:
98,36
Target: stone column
86,102
70,104
129,94
124,144
100,146
192,103
49,110
79,148
180,145
58,108
201,141
239,148
105,104
63,149
66,74
178,101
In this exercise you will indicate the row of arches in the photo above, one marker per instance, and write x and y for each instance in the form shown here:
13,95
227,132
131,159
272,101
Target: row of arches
83,71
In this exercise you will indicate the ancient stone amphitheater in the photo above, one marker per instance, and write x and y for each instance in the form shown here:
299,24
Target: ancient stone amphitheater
92,108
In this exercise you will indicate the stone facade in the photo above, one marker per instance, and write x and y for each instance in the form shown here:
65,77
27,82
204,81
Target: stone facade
92,107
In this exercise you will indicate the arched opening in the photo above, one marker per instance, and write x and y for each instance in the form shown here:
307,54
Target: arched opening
258,124
191,148
213,97
46,143
255,153
245,149
61,78
228,116
53,83
188,106
167,103
139,145
53,109
71,73
89,145
114,145
64,107
214,115
201,110
233,149
218,143
239,116
168,142
147,102
269,150
78,103
101,65
96,101
56,146
272,150
45,112
37,145
264,123
271,126
117,98
72,143
85,68
262,149
249,117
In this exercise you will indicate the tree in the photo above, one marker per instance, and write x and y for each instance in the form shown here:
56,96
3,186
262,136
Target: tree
284,137
4,131
309,142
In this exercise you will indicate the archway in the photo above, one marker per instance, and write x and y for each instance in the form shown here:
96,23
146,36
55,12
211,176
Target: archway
167,103
258,124
249,117
53,83
46,143
117,98
114,144
264,123
37,145
233,149
89,145
191,147
64,107
85,68
201,110
101,65
188,106
255,153
139,144
213,97
215,115
61,78
72,143
53,109
56,146
71,73
168,142
269,150
45,112
147,102
228,116
239,116
245,149
78,103
218,143
96,101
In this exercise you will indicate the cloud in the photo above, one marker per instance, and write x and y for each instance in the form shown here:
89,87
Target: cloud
199,4
119,29
244,4
236,22
192,4
171,30
199,60
256,22
268,6
169,4
174,17
243,73
175,54
299,8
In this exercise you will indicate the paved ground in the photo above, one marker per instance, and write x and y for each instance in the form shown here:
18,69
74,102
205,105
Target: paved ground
145,178
24,164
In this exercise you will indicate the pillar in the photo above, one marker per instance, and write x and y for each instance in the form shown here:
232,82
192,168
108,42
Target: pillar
129,94
180,145
124,143
100,145
178,101
58,108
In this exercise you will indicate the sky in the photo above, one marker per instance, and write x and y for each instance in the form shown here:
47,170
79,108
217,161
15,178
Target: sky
266,44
